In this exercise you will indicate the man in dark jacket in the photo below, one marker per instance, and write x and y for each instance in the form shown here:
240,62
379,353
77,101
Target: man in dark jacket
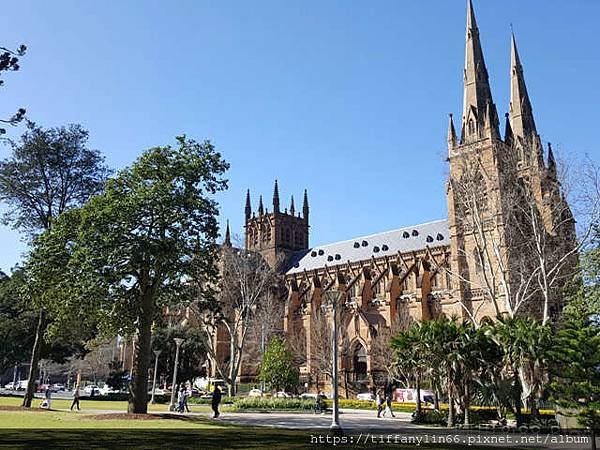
216,399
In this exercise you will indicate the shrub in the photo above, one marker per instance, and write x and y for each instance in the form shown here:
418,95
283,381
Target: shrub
430,416
266,403
208,401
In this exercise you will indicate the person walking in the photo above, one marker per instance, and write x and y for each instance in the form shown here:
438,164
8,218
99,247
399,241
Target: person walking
388,403
180,399
216,399
75,398
47,402
379,401
186,395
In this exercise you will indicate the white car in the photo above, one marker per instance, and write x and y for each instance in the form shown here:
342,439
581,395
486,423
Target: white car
106,389
255,393
11,385
366,396
92,390
308,396
282,394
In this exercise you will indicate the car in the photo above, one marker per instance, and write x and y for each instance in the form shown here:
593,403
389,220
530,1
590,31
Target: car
11,385
207,395
308,396
58,387
282,394
366,396
255,393
106,389
92,390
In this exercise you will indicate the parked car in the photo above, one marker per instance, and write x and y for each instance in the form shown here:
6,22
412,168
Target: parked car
255,393
106,389
282,394
11,385
42,387
207,395
366,396
308,396
92,389
410,395
58,387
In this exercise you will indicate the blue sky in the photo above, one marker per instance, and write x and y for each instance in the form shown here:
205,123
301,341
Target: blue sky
346,99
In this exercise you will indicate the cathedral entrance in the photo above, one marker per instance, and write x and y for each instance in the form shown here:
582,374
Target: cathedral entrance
359,363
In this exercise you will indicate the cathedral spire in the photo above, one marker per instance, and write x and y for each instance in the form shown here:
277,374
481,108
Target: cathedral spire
305,206
261,209
292,207
508,133
248,209
227,241
521,113
551,161
477,101
276,198
451,133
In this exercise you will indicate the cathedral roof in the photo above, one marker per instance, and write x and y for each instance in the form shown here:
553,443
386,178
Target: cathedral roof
388,243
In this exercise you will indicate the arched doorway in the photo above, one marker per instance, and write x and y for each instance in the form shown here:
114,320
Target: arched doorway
359,362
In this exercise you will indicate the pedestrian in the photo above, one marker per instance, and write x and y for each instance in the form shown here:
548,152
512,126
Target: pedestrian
388,403
379,401
186,395
216,399
47,402
75,398
179,407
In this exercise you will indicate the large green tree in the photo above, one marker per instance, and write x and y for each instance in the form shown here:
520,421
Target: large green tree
136,247
277,368
575,356
49,172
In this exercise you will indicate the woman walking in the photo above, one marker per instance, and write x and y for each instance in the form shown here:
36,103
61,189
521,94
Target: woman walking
75,398
379,401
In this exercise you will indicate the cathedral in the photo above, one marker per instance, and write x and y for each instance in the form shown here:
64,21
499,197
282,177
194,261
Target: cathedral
446,267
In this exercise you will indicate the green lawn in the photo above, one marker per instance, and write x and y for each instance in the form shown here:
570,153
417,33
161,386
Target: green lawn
35,428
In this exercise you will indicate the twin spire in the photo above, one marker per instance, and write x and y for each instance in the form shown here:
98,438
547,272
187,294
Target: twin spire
480,116
276,204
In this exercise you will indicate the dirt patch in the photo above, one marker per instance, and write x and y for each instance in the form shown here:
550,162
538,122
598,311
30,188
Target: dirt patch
22,408
123,416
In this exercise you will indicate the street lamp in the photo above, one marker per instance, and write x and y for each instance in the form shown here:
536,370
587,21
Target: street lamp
156,354
333,297
178,342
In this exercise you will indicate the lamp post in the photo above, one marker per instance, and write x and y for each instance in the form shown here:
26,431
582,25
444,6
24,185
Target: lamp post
156,355
334,297
178,342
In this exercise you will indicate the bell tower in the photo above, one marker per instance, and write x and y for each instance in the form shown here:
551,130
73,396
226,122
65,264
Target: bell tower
277,234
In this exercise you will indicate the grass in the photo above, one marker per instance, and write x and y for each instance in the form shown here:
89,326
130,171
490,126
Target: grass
35,428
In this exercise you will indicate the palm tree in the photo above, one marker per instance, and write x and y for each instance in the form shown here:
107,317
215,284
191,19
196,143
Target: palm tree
525,343
410,357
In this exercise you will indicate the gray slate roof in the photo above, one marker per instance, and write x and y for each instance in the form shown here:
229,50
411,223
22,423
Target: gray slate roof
388,243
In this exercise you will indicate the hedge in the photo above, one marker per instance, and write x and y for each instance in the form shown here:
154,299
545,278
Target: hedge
270,403
208,401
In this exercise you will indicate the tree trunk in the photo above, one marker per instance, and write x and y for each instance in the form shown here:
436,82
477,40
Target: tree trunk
436,399
517,400
467,403
418,383
450,406
138,391
35,360
593,437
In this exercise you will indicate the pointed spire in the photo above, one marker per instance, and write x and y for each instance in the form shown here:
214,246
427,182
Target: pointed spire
227,241
248,210
521,113
508,134
276,198
451,133
292,207
261,209
305,206
551,161
477,100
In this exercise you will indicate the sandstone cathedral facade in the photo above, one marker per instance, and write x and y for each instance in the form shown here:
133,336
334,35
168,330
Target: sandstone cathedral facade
469,265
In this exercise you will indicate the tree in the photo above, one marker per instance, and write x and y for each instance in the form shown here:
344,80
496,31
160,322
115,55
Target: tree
49,172
9,61
575,356
247,281
18,321
135,247
276,368
410,358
